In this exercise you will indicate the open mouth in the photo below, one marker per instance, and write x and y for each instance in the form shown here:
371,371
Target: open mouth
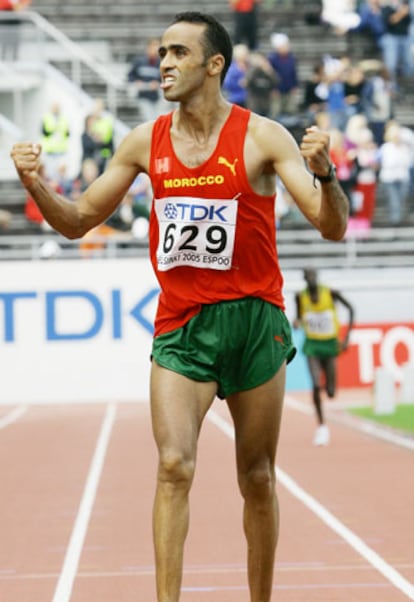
167,82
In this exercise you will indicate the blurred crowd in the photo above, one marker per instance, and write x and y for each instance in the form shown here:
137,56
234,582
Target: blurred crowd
354,100
97,147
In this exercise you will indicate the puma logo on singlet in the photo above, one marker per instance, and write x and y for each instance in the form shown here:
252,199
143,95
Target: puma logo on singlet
231,166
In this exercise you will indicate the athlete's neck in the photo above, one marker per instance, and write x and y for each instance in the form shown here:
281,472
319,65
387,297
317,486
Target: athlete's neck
201,120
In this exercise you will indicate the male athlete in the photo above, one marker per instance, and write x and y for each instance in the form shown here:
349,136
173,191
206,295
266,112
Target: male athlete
316,312
220,327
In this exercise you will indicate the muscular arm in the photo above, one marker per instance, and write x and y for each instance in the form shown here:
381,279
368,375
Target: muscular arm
74,218
325,206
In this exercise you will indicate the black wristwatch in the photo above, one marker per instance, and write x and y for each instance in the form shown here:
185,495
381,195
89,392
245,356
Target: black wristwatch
329,176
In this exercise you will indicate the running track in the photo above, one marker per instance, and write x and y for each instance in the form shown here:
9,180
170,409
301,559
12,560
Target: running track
77,484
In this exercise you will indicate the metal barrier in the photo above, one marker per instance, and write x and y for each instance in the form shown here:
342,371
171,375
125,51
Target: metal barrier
385,247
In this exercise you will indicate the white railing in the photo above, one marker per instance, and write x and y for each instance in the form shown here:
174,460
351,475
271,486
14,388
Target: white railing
386,247
44,31
46,246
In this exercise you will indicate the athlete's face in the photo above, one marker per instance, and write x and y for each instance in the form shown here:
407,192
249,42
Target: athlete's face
311,278
183,65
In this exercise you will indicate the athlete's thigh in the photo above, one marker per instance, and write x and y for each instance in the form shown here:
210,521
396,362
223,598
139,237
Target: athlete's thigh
256,415
178,406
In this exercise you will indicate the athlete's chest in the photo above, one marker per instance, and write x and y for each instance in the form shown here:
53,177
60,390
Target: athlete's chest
194,153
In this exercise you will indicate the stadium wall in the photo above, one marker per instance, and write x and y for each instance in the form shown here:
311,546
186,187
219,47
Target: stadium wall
80,330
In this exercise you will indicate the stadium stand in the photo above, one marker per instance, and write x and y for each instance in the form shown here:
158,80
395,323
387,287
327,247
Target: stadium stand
114,32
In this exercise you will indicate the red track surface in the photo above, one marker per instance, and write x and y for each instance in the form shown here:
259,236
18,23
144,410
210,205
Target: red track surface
53,549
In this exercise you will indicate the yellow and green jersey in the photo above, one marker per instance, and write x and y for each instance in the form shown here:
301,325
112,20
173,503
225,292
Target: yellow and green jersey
319,319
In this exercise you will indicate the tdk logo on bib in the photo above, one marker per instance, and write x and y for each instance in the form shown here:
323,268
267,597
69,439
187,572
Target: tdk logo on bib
170,211
193,213
195,232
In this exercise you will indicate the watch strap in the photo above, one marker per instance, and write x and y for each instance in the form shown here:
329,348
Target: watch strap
329,176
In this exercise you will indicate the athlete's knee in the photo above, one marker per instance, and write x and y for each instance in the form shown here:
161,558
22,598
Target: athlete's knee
258,482
175,468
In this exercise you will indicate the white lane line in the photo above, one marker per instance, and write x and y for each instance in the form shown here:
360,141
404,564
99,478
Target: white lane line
330,520
379,433
144,571
70,565
300,406
295,587
349,536
362,425
12,416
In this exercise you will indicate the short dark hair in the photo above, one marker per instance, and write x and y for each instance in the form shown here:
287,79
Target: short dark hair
216,37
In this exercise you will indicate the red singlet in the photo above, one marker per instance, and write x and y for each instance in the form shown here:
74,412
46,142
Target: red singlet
212,238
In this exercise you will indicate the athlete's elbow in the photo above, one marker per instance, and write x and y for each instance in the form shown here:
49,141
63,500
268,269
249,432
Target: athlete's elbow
334,226
74,228
334,231
334,235
78,231
73,234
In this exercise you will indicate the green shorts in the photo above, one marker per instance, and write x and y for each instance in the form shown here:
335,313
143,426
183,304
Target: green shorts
239,344
320,348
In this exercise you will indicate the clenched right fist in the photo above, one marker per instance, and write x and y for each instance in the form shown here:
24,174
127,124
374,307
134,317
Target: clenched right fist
26,157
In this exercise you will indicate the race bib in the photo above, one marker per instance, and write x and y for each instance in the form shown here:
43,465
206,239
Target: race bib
320,324
195,232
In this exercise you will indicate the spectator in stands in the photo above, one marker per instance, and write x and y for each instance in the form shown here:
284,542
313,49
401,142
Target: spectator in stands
260,83
315,93
407,136
323,121
371,20
144,74
335,103
89,171
103,130
138,203
234,84
64,181
340,14
380,100
343,158
140,193
316,313
10,28
90,141
395,165
365,190
55,139
283,62
354,126
356,90
245,22
396,40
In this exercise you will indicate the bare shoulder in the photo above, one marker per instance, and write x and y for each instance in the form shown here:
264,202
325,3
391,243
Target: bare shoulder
135,148
272,139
